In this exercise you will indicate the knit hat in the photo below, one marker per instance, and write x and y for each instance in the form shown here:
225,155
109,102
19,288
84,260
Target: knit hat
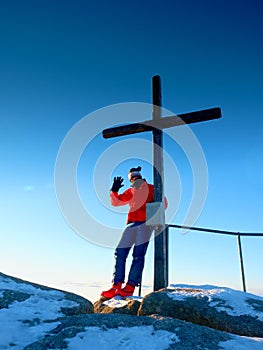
135,172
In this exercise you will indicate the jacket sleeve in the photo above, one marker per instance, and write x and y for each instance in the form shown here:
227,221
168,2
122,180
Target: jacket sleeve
120,199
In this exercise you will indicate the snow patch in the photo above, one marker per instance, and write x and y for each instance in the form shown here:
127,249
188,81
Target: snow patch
118,301
123,338
242,343
235,303
24,322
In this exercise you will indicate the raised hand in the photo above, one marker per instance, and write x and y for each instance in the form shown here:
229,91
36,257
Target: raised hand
117,184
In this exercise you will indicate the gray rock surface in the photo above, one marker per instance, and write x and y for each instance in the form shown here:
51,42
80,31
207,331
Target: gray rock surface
198,310
83,306
191,336
195,322
131,308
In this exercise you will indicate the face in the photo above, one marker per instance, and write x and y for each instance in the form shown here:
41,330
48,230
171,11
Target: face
133,179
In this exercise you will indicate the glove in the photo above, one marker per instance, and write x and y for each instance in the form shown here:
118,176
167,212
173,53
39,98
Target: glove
117,184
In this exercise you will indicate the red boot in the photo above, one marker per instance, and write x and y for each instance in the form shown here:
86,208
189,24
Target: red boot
127,291
108,294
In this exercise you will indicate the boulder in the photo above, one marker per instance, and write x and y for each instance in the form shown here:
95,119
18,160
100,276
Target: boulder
186,336
17,290
209,306
118,305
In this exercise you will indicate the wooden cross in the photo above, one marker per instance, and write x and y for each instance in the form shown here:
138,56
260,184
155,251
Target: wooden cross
156,125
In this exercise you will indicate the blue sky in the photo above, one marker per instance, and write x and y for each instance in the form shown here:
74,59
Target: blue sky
61,61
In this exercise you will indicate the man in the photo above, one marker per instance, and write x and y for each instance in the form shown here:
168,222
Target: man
136,233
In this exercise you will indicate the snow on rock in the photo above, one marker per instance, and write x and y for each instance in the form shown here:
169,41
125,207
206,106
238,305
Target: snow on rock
233,302
34,317
242,343
118,305
133,338
131,332
224,309
118,301
28,311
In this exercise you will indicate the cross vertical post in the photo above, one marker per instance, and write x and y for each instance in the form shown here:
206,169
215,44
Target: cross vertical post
160,239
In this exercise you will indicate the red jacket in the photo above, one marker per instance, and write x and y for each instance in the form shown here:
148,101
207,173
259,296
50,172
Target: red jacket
137,199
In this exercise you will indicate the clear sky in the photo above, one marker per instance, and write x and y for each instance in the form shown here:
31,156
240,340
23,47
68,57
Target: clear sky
63,61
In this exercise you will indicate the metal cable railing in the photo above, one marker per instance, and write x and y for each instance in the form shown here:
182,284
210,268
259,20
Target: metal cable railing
216,231
237,234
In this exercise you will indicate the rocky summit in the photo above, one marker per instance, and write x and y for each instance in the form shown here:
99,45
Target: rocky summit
35,317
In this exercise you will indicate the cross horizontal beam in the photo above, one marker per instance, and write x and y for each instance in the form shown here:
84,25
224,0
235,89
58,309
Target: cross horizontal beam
163,123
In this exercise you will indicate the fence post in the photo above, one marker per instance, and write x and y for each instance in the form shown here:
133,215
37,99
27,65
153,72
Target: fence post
140,289
167,254
241,263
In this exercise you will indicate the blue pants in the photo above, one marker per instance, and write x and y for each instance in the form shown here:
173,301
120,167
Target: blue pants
136,234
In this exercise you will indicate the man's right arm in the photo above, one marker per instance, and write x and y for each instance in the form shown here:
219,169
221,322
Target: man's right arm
120,199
